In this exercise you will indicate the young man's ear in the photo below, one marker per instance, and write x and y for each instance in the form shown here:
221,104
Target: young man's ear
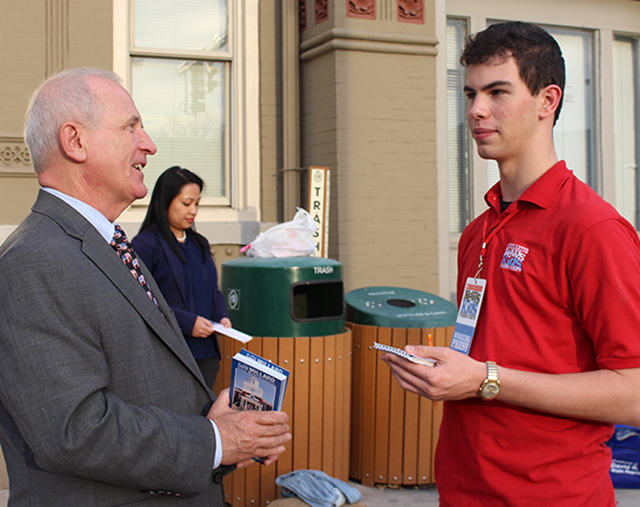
72,142
550,100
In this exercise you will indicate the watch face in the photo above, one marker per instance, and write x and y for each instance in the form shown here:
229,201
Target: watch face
490,390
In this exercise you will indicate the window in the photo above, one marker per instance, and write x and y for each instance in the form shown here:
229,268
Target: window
574,134
180,67
458,139
626,103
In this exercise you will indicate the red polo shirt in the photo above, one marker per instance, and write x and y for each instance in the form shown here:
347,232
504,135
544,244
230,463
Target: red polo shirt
562,296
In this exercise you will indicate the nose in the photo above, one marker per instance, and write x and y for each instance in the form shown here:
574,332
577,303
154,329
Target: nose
146,144
477,108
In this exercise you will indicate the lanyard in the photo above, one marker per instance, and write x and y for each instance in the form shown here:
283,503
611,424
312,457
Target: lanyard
494,231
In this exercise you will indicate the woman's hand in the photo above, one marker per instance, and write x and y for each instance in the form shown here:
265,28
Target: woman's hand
202,328
225,322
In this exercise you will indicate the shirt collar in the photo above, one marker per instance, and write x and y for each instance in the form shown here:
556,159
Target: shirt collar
93,216
541,193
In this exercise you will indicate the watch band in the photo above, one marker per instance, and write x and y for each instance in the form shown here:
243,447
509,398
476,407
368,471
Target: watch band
490,388
492,371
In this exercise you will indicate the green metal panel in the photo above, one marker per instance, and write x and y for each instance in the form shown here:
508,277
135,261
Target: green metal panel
290,296
397,307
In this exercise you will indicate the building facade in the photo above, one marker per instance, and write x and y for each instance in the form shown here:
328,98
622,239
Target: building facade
250,93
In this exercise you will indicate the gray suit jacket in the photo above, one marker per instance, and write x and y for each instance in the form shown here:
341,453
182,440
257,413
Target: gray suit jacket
100,397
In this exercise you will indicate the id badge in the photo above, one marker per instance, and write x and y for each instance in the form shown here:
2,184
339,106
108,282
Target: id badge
468,315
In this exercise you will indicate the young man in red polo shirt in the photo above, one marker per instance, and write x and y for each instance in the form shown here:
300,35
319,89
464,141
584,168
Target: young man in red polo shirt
555,358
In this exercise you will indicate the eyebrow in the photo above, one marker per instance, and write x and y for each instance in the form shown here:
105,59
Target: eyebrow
493,84
132,118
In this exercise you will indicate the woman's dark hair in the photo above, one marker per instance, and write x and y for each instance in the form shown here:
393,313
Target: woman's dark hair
166,189
536,52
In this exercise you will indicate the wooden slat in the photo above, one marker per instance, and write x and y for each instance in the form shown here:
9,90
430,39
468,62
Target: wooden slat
347,393
382,409
316,393
411,424
357,404
329,400
341,433
284,465
369,395
300,428
238,491
425,427
396,416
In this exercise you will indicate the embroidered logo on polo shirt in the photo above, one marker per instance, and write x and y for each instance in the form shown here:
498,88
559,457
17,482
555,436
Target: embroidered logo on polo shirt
513,257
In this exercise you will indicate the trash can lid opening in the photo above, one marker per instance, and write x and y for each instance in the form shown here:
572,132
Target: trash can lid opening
401,303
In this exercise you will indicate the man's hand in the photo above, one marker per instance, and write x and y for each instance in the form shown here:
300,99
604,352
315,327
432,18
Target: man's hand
455,377
248,434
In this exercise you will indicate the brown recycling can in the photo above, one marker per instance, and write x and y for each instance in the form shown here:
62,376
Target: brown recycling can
393,432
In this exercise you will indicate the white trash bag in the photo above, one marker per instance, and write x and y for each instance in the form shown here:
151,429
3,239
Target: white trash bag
289,239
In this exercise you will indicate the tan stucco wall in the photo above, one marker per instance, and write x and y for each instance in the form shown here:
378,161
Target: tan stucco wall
22,46
269,111
39,38
373,124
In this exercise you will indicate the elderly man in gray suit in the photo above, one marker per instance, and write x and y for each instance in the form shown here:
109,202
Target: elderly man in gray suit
101,401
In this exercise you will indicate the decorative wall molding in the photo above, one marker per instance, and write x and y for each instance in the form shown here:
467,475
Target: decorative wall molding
321,10
15,157
360,40
57,32
411,11
362,9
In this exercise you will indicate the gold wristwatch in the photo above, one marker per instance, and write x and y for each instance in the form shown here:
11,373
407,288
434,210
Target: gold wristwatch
490,388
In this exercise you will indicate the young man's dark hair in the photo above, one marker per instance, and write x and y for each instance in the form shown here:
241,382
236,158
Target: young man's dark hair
536,52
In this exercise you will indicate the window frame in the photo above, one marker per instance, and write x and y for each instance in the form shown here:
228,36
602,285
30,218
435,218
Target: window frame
634,40
242,173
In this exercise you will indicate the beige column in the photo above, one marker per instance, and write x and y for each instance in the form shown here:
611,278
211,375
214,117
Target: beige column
368,112
290,110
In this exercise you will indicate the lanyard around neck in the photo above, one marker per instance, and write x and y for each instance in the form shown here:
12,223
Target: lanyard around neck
492,233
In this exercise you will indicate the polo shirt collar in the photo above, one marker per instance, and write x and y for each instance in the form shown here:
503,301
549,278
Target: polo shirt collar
541,193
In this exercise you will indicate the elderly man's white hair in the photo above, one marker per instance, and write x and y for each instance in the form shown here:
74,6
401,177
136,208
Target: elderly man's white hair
66,96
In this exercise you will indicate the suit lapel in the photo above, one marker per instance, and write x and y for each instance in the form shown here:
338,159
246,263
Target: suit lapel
164,324
104,257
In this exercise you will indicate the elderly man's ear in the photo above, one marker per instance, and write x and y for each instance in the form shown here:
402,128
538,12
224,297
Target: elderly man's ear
72,142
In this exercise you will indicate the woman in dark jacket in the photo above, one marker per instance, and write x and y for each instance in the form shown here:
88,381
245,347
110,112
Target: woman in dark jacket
180,261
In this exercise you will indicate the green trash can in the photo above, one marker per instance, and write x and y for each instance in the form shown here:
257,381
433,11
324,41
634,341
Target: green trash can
289,296
398,307
293,308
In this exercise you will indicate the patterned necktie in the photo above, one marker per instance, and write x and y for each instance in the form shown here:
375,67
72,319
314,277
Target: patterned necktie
121,245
